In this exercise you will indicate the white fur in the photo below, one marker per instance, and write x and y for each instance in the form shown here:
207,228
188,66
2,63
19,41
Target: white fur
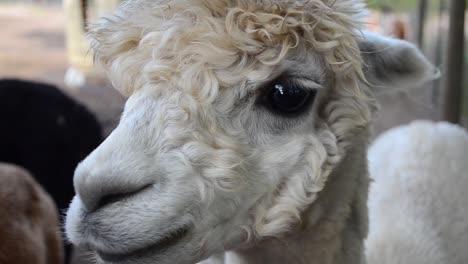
418,203
195,150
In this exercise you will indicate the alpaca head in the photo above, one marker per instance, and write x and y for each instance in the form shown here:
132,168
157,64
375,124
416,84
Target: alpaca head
237,113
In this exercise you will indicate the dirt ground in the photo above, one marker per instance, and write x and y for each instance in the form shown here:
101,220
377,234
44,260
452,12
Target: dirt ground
32,47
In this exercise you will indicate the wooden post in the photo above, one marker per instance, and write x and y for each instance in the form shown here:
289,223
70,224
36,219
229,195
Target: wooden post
78,53
422,10
453,84
439,54
84,11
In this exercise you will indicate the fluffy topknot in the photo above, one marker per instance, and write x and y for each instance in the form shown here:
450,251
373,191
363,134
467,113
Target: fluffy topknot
205,45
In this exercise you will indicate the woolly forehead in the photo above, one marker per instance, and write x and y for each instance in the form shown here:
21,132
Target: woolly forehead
204,45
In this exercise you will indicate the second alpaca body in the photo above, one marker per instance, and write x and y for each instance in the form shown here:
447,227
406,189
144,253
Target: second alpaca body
418,203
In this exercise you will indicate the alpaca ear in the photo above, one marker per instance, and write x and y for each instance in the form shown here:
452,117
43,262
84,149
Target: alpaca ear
394,63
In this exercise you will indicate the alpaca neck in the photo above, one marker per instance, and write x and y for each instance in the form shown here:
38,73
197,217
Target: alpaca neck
333,228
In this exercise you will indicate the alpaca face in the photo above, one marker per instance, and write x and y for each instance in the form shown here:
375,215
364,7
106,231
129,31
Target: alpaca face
202,176
236,116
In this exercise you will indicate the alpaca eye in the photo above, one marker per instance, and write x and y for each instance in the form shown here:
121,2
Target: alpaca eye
289,98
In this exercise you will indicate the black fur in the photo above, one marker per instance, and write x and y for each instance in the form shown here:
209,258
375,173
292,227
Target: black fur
47,132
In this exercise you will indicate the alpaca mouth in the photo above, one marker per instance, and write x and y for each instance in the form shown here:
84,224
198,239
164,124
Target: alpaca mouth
168,241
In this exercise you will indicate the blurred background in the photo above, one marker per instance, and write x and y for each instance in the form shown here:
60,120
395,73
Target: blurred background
44,40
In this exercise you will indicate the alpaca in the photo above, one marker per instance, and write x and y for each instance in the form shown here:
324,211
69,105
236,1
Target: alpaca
29,223
418,204
46,132
244,136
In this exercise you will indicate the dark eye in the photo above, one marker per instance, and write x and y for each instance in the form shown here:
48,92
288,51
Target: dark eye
289,98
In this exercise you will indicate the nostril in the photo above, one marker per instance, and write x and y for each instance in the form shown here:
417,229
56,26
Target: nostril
115,197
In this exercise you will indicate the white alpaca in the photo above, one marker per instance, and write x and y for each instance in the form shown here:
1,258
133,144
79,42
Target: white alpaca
418,202
245,132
